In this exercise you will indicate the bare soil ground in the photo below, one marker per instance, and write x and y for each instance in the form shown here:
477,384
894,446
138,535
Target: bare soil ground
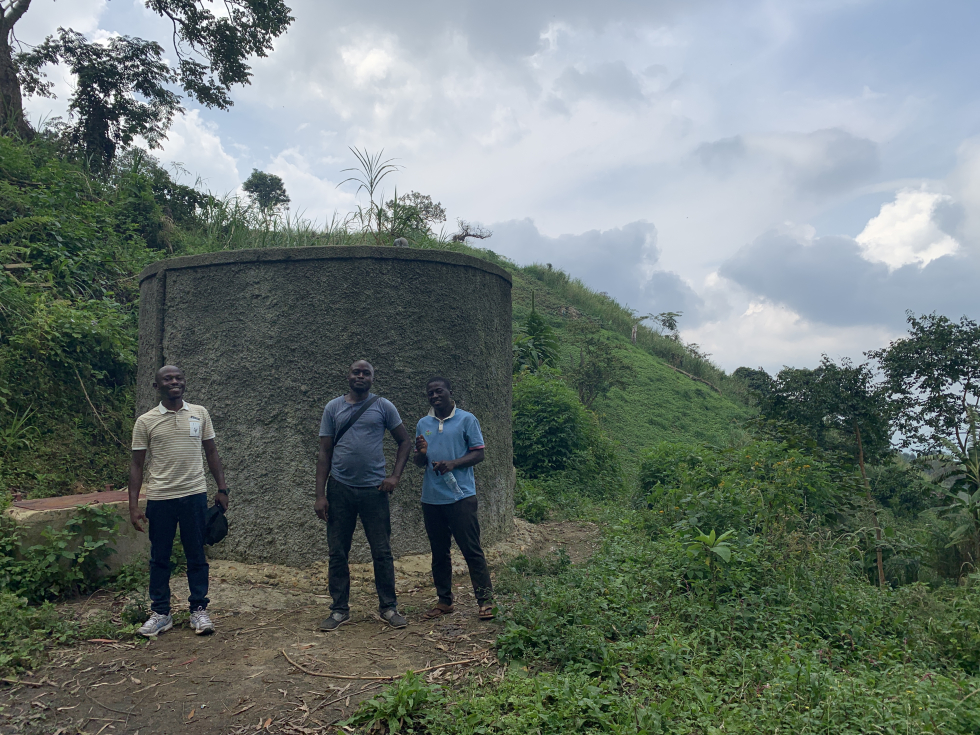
241,678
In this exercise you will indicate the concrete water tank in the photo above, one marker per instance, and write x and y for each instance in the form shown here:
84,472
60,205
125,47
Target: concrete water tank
266,338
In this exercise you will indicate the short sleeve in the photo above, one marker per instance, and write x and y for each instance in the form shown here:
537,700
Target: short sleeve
418,429
141,438
207,430
392,419
473,434
327,426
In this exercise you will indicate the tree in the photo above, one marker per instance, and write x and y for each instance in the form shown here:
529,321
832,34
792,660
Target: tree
267,191
11,100
845,411
934,376
470,230
411,215
211,50
601,365
759,383
105,111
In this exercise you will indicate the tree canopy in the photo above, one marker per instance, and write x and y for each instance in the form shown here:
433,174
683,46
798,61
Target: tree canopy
123,86
267,191
933,375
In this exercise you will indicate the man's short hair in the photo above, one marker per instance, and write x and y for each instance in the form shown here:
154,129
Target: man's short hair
439,379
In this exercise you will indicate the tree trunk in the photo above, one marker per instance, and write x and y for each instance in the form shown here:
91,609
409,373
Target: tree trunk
11,104
874,507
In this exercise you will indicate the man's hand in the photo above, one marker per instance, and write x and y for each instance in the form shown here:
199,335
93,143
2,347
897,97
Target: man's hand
222,500
443,467
389,484
321,506
137,518
421,445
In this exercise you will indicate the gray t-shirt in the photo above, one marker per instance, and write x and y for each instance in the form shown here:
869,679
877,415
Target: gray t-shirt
359,460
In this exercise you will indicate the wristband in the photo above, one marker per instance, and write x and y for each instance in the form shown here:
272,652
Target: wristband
223,492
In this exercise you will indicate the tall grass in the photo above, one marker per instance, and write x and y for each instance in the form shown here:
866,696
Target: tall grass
232,223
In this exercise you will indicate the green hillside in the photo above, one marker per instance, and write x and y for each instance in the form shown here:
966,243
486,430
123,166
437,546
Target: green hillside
660,403
72,244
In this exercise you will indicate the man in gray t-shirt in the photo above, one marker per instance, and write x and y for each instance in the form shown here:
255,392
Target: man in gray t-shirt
352,456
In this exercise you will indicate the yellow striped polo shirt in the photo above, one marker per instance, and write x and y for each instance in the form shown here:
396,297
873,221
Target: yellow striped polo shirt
175,465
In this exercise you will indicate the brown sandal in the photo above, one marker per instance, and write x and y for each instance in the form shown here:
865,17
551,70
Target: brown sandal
486,612
438,611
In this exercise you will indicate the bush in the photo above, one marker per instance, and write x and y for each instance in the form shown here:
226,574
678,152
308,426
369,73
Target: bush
68,562
25,631
554,433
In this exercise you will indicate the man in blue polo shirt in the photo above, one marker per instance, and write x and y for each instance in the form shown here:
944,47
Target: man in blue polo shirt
448,443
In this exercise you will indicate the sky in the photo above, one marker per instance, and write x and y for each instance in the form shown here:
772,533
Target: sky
791,175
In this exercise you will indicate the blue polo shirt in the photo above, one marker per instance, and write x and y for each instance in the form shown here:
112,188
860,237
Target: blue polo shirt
449,439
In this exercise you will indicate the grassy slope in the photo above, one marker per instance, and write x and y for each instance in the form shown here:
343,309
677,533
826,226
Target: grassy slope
661,404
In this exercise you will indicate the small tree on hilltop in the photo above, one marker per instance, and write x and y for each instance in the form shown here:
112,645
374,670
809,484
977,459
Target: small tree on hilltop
267,191
411,215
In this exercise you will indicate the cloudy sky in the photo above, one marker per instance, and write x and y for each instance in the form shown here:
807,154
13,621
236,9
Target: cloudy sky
792,175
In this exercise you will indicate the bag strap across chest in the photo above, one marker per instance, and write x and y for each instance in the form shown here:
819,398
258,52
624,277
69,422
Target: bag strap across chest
353,419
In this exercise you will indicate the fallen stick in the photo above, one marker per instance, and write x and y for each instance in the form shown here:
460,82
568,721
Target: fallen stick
383,678
22,683
111,709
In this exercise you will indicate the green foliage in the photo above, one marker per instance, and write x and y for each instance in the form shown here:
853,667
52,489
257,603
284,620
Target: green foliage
409,706
537,345
901,487
411,216
838,404
212,53
68,562
266,191
601,365
553,432
933,375
613,317
26,631
121,92
798,640
530,502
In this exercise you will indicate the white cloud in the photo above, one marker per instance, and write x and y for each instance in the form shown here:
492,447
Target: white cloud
772,336
905,231
311,197
195,145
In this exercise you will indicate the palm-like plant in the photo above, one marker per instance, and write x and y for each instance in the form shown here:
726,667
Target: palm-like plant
368,174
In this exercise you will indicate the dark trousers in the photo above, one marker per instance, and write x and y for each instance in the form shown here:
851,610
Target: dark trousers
457,521
165,516
345,505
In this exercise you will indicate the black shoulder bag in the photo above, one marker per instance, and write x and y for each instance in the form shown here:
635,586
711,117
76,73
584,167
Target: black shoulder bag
353,419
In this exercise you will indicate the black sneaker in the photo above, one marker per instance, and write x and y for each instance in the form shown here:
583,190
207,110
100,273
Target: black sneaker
394,618
336,619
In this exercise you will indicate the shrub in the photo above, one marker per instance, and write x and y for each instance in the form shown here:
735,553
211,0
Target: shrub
25,630
68,562
554,433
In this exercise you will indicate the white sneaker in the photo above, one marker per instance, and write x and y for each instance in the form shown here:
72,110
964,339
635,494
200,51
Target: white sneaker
156,625
201,622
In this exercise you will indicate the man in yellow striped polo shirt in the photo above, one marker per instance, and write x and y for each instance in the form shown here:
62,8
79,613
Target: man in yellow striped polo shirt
173,434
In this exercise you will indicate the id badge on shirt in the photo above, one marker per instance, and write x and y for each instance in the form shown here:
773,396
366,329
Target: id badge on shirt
195,423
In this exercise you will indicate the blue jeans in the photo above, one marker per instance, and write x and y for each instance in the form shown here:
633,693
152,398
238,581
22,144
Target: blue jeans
371,504
165,516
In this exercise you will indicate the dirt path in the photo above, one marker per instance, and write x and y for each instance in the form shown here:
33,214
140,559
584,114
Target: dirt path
238,680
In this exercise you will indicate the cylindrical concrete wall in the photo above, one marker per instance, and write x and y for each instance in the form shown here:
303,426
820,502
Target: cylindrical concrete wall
266,338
